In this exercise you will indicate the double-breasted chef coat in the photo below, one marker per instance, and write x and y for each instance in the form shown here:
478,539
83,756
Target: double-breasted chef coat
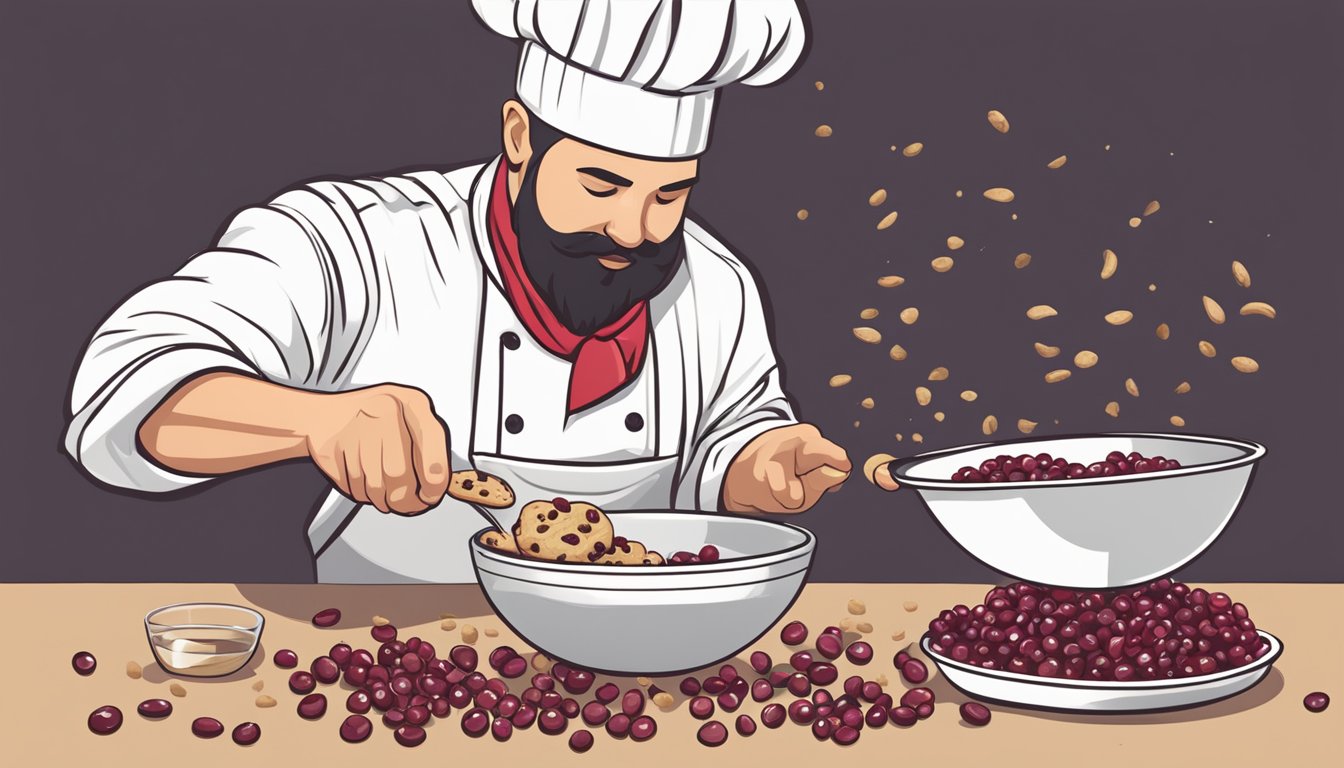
337,285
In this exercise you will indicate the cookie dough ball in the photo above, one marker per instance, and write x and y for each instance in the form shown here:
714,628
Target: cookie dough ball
563,530
480,487
500,540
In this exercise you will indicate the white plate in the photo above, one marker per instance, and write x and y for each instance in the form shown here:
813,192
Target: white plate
1064,694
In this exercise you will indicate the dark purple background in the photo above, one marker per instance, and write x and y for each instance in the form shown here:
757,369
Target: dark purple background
130,131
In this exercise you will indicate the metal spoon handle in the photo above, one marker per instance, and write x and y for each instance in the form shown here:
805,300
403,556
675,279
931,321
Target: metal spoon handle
487,514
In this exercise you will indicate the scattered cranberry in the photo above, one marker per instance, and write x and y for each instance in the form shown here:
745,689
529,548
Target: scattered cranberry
761,690
358,702
773,715
632,703
476,722
578,681
207,727
702,707
1316,701
618,726
975,713
286,659
327,617
829,646
802,712
356,728
761,662
463,657
793,633
903,716
846,735
712,734
385,633
552,722
859,652
326,670
821,673
924,711
914,671
105,720
709,554
643,728
84,663
245,734
524,717
409,735
689,686
595,713
876,717
916,696
302,682
501,728
823,728
312,706
155,708
581,741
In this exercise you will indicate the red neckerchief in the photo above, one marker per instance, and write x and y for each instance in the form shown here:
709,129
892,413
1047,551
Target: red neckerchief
603,362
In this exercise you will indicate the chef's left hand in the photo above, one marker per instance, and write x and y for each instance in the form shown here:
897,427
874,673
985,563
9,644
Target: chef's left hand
784,470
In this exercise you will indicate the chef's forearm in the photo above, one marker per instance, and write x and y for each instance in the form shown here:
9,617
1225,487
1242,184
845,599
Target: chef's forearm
219,423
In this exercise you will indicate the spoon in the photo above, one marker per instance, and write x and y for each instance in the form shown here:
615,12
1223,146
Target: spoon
487,514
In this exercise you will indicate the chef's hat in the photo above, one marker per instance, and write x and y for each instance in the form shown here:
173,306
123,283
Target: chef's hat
639,76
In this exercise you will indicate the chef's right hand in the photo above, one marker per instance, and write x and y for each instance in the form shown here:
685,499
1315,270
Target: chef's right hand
381,445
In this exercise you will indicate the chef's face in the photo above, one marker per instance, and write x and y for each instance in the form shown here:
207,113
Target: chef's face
597,231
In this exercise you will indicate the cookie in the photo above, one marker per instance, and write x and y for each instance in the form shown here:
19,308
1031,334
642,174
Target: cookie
480,487
500,540
562,530
626,552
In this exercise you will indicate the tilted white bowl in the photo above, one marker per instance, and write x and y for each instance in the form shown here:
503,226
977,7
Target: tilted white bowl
1088,533
656,619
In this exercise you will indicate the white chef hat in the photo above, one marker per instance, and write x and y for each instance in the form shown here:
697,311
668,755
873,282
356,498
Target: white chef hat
639,76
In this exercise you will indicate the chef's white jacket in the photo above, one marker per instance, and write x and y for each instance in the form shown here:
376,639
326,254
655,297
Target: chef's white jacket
337,285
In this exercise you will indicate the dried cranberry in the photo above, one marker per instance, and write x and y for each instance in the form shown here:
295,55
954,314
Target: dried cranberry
802,712
476,722
581,741
245,734
105,720
618,725
975,713
859,652
285,659
643,728
409,735
356,728
560,503
302,682
84,663
206,727
793,633
1316,701
327,617
155,708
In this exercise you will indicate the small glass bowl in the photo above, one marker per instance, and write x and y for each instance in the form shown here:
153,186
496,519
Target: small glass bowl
203,639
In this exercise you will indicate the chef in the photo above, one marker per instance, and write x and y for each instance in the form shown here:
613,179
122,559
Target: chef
551,316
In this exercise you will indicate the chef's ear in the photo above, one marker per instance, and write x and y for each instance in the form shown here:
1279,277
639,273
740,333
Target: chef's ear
517,135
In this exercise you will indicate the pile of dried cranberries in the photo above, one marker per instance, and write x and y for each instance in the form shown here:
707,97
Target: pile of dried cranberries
1015,469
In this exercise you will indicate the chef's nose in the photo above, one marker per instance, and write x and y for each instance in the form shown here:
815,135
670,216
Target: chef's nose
627,228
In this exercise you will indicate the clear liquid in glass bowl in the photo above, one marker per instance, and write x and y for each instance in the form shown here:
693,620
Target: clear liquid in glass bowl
203,639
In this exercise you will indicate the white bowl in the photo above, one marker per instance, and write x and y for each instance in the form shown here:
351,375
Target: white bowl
1070,695
1088,533
654,619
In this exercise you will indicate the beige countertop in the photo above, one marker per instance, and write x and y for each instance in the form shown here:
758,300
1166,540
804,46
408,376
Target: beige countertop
46,704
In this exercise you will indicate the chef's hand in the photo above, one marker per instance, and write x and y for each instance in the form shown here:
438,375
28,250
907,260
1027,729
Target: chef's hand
784,470
878,471
381,445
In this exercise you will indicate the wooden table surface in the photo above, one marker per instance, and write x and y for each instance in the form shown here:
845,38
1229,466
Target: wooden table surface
45,704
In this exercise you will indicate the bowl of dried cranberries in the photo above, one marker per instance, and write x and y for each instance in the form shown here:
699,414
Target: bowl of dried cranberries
1092,511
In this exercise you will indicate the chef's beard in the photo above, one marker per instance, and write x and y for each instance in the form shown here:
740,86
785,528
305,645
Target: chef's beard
584,295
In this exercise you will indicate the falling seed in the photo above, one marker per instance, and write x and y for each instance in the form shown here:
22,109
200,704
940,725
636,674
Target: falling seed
1183,387
887,220
1113,409
856,424
939,415
664,701
969,395
490,632
1085,359
990,425
897,352
918,438
1025,427
1240,274
644,681
134,670
857,607
841,379
823,131
1177,421
265,702
997,120
910,606
1014,217
867,335
1107,147
802,214
1045,350
877,198
1258,308
1131,387
1152,287
890,281
469,634
1151,208
380,621
820,85
864,627
1109,262
540,662
1245,364
999,194
177,690
899,437
941,264
1207,349
1041,311
1056,376
1022,260
1134,222
898,635
867,402
1058,162
923,396
1119,317
448,625
1163,331
913,149
1214,311
954,242
958,193
868,314
909,315
938,374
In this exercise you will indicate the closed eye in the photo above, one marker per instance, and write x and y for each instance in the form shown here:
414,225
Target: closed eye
601,192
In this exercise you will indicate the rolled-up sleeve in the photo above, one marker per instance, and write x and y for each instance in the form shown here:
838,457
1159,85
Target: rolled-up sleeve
260,302
744,394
